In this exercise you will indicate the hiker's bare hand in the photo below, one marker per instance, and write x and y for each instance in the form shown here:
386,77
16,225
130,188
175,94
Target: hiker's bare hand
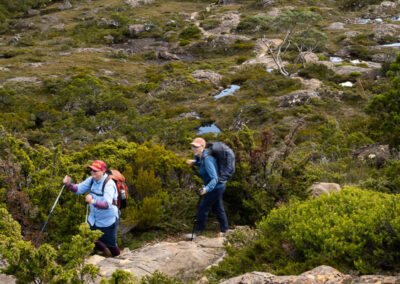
89,199
190,162
67,180
202,191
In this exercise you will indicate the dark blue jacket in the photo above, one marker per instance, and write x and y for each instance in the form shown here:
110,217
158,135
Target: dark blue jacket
208,169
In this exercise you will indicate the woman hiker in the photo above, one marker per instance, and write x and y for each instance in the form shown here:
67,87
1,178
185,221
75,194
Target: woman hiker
104,214
212,189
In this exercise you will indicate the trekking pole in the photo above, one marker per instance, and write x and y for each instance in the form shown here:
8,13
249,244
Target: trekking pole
87,210
48,217
195,220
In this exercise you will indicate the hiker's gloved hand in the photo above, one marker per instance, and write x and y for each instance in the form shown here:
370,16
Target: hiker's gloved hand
202,190
67,180
89,199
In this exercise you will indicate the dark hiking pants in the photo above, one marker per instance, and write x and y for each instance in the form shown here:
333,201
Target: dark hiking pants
212,200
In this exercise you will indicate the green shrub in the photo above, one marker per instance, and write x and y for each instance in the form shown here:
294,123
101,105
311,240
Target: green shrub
190,33
356,4
351,230
254,24
210,24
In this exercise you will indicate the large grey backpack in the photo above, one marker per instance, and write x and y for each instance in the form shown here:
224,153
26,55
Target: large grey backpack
225,160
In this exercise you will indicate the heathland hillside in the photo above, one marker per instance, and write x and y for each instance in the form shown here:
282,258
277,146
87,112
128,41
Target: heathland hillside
303,91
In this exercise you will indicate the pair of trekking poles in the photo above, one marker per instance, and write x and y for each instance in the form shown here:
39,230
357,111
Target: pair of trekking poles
51,212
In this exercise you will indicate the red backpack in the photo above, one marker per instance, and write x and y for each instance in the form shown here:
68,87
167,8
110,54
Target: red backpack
121,185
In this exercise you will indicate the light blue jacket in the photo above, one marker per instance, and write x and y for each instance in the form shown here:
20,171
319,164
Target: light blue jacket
208,170
101,217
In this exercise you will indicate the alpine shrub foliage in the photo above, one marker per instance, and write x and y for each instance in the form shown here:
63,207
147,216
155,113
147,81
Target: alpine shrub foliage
352,230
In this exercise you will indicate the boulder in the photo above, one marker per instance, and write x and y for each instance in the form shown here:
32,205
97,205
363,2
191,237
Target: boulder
228,23
273,12
386,57
374,153
213,77
165,55
184,257
137,3
267,3
319,188
66,5
298,98
385,31
137,29
309,57
310,84
32,12
320,275
335,26
388,5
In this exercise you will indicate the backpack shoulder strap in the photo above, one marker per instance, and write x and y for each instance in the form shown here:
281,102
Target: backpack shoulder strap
102,188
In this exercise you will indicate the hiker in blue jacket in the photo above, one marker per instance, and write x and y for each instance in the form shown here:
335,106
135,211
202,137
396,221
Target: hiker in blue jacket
212,190
104,215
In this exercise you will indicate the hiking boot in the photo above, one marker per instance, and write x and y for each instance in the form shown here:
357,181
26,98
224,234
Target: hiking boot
107,252
190,236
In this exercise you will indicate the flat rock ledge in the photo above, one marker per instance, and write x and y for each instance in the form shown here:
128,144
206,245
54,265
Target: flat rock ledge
320,275
183,259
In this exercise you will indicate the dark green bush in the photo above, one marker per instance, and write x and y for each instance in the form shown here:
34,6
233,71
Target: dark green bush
356,4
352,230
190,33
254,24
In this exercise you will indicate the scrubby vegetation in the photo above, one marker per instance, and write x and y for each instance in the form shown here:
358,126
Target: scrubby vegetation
108,81
353,230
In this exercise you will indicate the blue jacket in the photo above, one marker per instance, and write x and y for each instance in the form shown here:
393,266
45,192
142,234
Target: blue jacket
101,217
208,169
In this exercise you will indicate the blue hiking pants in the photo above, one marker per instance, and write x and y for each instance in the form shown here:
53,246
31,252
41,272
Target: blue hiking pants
110,233
212,200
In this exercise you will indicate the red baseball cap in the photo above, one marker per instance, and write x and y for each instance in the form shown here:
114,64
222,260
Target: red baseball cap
197,142
98,165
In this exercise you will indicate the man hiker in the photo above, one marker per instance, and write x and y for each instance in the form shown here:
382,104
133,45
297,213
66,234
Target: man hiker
212,190
104,215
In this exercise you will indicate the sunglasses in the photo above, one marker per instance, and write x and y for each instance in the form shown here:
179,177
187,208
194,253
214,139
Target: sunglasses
94,171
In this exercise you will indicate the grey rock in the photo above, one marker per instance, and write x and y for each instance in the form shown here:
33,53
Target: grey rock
166,55
211,76
387,57
374,153
185,257
66,5
32,12
298,98
388,5
137,3
319,188
335,26
137,29
267,3
385,30
309,57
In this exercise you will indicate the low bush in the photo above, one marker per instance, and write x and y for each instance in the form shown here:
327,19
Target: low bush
355,230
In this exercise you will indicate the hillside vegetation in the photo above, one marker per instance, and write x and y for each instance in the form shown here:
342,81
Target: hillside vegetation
132,83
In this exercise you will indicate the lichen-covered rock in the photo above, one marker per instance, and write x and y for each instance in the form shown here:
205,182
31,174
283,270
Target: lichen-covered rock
298,98
385,31
320,275
335,26
375,153
213,77
187,257
319,188
137,3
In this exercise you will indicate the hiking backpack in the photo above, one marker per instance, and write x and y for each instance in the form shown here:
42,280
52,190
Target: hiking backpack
225,159
121,185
